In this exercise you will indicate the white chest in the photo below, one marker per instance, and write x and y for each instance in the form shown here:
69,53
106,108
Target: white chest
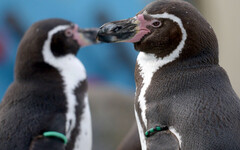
84,139
148,65
73,73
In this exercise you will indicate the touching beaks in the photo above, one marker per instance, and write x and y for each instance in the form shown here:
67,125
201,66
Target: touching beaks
85,37
130,30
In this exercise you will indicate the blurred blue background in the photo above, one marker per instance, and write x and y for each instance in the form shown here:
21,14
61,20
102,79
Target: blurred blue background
109,63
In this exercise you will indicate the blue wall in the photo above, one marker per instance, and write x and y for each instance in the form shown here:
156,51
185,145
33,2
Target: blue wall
111,63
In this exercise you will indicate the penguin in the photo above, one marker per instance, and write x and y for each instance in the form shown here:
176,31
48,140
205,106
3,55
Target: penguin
184,99
46,106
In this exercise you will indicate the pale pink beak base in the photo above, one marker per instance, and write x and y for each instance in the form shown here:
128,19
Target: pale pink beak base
141,29
82,41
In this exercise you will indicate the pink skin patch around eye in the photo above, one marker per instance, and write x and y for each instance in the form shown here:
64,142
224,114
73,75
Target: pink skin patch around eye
82,41
141,29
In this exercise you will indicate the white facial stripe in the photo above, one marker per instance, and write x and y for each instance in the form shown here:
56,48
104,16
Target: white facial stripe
176,134
174,18
72,72
149,63
56,30
84,139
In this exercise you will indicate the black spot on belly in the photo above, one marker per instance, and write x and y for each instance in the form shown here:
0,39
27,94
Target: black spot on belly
70,124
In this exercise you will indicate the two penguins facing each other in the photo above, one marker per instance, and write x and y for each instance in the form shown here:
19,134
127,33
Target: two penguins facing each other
180,86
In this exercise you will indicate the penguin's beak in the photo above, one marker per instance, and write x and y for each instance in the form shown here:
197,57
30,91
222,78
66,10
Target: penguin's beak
85,37
129,30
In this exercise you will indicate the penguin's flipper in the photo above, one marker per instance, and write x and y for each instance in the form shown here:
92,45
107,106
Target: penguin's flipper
46,143
131,140
164,140
50,123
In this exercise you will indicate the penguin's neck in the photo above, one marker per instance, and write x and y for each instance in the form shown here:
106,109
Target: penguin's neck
148,69
148,64
72,72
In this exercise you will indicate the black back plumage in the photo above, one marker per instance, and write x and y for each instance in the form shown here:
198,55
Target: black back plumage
35,102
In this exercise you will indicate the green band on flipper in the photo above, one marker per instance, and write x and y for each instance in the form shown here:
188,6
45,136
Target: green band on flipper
152,131
56,134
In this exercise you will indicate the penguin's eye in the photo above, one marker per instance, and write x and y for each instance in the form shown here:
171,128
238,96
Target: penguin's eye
68,33
156,23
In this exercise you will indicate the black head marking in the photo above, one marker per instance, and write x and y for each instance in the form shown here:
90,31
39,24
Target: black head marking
29,58
59,36
161,40
201,39
62,43
160,34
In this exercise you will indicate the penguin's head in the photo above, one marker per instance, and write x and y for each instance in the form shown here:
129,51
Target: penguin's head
50,40
165,28
62,37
